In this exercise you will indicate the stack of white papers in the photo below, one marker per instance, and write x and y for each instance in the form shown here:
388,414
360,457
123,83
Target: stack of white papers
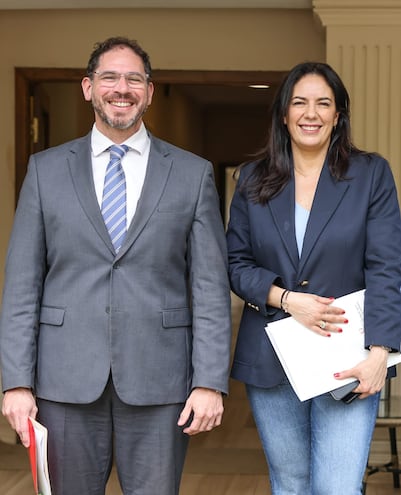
310,360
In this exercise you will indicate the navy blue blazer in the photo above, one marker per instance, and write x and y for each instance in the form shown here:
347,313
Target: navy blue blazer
352,241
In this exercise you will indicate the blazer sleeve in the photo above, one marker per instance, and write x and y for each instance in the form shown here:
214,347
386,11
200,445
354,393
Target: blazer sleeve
383,261
211,307
249,280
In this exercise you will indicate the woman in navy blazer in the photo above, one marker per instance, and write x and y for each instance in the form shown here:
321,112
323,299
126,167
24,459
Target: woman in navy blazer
314,218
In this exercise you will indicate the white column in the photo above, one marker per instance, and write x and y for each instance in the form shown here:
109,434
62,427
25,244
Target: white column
363,44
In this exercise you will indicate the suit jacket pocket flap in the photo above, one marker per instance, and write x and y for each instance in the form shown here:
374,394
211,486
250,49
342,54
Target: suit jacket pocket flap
52,316
177,318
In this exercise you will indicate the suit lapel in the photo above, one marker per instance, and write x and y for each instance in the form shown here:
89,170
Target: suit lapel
80,164
328,195
159,165
158,169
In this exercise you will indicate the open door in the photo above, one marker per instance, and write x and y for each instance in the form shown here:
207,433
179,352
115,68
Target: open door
39,117
32,113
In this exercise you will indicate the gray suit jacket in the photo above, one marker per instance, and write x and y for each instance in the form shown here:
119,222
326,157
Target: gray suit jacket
157,315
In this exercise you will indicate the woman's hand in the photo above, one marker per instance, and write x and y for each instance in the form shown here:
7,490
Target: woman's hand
371,372
316,313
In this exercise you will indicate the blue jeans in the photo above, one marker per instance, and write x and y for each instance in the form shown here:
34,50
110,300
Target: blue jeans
316,447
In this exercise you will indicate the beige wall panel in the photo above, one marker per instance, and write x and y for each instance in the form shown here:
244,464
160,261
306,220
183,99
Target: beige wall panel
176,39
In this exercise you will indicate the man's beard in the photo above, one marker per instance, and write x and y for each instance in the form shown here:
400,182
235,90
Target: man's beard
117,122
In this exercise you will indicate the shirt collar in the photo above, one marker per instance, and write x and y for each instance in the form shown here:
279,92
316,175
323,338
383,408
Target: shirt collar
137,142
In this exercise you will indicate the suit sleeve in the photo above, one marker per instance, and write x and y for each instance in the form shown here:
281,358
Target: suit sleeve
24,274
207,261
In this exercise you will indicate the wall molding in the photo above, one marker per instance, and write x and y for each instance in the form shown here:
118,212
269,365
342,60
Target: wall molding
358,12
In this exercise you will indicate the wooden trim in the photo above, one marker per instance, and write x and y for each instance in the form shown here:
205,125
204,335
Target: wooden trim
225,78
25,80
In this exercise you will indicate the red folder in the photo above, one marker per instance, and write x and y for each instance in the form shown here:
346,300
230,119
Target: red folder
32,456
37,452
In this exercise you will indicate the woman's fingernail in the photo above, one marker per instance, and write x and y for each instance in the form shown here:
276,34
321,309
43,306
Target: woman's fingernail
336,375
345,321
340,330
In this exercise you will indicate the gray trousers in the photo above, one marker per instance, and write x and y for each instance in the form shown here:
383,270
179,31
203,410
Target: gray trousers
145,443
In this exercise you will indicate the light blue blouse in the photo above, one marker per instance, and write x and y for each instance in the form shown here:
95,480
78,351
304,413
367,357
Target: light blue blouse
301,220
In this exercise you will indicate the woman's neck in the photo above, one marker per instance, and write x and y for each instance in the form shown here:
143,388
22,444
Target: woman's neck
307,170
308,164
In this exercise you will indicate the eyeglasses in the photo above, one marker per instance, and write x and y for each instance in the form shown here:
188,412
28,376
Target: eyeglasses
109,79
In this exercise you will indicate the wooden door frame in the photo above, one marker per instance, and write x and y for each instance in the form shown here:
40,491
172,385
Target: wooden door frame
26,77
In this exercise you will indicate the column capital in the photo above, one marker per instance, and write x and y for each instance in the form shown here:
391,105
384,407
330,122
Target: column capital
358,12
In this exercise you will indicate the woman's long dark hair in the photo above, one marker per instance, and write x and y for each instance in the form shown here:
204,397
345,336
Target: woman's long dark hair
273,162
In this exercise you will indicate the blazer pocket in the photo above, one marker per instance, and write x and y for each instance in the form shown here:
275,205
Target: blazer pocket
172,211
177,318
52,316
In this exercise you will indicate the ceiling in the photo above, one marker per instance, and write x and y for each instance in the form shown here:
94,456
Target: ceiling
220,95
116,4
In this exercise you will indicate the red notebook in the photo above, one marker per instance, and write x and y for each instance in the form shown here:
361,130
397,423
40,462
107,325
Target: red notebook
38,457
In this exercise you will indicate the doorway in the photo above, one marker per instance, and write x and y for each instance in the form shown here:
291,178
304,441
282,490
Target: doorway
212,113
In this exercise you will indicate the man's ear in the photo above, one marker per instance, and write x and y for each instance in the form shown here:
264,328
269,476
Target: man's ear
86,85
151,90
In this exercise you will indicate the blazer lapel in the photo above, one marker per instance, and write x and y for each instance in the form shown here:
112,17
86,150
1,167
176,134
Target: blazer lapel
157,173
80,164
282,208
328,195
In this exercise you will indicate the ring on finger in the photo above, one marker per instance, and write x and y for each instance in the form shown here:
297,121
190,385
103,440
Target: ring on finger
322,324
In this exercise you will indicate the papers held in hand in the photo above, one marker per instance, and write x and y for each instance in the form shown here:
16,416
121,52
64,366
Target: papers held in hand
310,360
38,457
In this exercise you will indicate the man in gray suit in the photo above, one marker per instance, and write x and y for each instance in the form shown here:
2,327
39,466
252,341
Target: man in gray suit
116,334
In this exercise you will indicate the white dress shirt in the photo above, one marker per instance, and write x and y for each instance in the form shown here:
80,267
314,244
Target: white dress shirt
134,164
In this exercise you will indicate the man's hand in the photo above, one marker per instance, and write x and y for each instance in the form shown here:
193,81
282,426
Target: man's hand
207,408
18,404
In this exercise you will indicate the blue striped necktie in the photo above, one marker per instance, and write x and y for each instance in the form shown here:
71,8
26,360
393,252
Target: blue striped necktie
114,203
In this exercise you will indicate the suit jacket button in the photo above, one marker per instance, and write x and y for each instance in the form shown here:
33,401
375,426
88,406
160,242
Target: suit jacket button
107,309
